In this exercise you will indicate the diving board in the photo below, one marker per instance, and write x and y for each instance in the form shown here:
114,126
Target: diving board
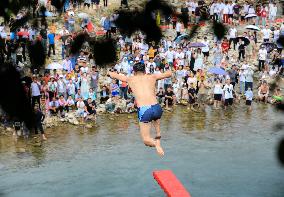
170,183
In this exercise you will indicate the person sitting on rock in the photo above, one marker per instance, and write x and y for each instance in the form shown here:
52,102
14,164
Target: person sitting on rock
62,105
104,95
263,92
70,104
90,108
53,106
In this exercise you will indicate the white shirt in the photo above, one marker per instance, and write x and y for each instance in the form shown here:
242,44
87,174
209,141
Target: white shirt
242,77
206,48
170,55
272,72
218,89
231,10
226,9
216,8
81,105
272,10
178,27
149,65
35,89
232,32
266,33
262,53
251,10
84,69
181,57
228,91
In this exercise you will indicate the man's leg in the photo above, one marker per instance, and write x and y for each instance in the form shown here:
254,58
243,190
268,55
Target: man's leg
145,129
53,48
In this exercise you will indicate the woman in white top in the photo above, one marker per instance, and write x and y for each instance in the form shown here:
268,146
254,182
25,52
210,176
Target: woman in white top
217,91
198,64
192,79
177,90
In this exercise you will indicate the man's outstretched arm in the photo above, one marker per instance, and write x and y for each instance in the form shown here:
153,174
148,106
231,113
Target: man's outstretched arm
117,76
164,75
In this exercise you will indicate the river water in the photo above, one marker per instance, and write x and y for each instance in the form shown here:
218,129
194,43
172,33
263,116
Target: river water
216,153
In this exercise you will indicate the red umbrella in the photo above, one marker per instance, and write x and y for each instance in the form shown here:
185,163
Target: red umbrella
23,33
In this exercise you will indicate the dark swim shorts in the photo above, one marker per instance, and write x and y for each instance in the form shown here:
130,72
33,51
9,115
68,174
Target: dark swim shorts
149,113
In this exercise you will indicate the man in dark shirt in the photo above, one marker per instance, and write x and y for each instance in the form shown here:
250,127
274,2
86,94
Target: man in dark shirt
90,108
43,34
39,118
233,75
169,97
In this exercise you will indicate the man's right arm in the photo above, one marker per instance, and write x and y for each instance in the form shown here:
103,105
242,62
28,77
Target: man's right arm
164,75
117,76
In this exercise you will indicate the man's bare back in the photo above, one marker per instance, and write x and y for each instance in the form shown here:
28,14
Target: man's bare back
143,87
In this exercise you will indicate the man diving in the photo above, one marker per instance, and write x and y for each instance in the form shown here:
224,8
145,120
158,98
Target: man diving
143,87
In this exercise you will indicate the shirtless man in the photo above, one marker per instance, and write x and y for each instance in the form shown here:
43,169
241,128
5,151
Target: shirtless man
263,92
149,111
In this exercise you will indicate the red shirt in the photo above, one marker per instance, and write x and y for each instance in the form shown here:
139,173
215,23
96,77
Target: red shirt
263,13
225,46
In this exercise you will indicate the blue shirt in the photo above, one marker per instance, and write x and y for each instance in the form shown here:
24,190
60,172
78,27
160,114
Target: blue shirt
107,24
249,95
51,38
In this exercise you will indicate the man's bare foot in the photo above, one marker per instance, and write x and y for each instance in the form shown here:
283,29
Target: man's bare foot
43,137
159,148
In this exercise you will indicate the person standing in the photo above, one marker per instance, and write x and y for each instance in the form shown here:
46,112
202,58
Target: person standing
35,87
233,75
64,35
43,34
228,93
105,3
205,49
248,78
94,79
232,36
266,32
262,55
178,29
51,41
107,27
249,97
272,13
263,15
39,118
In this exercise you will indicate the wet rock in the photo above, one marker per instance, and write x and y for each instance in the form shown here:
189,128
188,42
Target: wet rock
21,150
9,129
89,126
37,144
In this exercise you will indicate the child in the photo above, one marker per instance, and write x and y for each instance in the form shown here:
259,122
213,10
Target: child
184,94
249,97
191,95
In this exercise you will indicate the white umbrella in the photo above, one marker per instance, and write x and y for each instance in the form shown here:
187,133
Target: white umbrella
250,16
54,65
83,15
252,27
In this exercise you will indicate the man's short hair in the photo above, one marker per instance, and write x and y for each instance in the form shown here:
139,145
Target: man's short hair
139,67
